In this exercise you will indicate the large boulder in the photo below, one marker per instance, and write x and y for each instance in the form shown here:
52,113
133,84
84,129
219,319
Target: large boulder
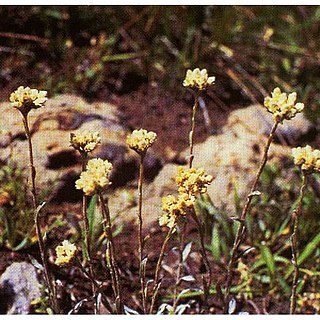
232,158
257,120
58,164
19,286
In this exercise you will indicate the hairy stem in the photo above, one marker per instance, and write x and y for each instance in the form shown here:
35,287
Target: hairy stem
141,269
87,227
31,162
245,211
207,284
158,267
294,244
47,275
85,214
193,125
110,253
180,266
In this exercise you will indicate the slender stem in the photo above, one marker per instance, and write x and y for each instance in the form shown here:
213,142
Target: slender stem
180,266
47,274
87,226
115,278
158,267
294,244
207,285
183,229
245,211
141,269
96,285
31,162
193,124
85,215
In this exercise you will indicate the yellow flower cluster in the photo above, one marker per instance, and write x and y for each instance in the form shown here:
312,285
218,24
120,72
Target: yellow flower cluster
85,141
95,178
65,253
141,140
198,79
192,181
173,207
307,158
282,106
26,99
310,300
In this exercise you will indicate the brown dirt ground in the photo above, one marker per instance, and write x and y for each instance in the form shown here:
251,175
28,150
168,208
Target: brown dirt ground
169,117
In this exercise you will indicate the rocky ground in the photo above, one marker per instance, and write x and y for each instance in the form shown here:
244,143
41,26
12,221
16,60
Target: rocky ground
230,153
230,156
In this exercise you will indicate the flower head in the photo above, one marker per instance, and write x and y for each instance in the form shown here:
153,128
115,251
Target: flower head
25,99
141,140
310,300
192,181
198,79
65,253
174,207
95,178
282,106
85,141
307,158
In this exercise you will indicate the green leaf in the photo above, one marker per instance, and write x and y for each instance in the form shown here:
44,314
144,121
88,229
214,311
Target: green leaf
186,252
118,230
24,243
285,287
95,222
10,229
268,258
283,226
261,262
52,13
306,253
215,243
122,56
300,285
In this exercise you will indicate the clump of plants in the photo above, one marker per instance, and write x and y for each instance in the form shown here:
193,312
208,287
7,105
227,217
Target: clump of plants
16,217
178,210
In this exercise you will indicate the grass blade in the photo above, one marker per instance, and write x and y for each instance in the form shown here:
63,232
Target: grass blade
268,258
309,249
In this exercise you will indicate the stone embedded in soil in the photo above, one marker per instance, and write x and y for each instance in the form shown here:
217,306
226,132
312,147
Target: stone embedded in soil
255,118
57,164
19,286
231,157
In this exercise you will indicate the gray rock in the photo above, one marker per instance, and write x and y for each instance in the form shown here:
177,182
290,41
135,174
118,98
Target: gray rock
255,118
57,164
232,158
19,286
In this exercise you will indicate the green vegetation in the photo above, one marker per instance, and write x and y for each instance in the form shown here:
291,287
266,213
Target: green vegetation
105,49
98,50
